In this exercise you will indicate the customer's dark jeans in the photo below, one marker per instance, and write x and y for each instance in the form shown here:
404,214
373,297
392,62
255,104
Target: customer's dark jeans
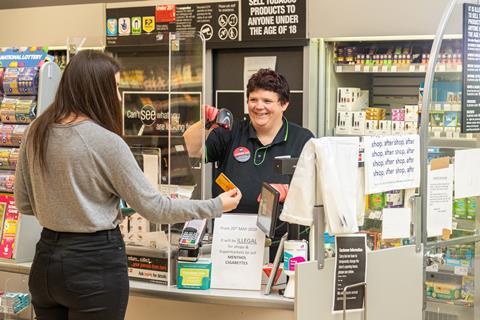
79,276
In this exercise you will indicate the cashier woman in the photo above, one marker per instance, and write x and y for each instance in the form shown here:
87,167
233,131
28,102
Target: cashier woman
246,153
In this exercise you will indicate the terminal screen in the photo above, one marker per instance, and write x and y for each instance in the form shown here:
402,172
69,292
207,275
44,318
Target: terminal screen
268,210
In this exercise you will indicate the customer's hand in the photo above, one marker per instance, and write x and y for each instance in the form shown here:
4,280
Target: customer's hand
230,199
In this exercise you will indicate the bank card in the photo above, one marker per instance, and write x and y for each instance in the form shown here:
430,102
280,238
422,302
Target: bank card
224,183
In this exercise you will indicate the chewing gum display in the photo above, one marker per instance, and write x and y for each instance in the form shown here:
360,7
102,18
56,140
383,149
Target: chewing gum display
7,109
1,81
17,110
20,81
11,135
224,183
8,158
7,181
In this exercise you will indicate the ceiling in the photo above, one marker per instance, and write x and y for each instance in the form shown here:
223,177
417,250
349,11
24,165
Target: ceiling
12,4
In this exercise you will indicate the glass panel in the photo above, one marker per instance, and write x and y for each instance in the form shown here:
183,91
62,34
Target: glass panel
162,95
450,281
445,136
451,216
373,90
186,97
144,71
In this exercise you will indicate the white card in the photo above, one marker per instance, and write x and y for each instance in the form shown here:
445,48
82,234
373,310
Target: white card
396,223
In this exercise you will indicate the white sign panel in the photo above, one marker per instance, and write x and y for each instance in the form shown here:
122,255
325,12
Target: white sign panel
237,252
467,173
391,162
396,223
439,201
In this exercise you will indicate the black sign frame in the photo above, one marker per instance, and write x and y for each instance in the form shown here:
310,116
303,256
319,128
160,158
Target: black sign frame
350,269
471,69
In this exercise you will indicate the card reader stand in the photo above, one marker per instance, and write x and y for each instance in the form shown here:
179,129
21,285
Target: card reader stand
191,240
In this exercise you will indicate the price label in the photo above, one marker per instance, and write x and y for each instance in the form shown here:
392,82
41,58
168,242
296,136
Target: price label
366,69
459,68
375,69
358,68
461,271
393,69
384,68
339,69
411,69
441,68
432,268
423,68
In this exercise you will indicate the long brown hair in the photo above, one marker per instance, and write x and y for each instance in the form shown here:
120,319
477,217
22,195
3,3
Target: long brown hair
87,88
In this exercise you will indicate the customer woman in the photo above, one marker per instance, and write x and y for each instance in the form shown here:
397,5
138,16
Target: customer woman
73,169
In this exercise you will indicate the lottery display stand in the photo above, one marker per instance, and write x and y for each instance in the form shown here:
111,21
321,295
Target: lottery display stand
28,81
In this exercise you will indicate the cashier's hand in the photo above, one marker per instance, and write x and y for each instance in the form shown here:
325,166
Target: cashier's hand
230,199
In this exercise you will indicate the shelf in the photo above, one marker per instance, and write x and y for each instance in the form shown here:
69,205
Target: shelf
458,303
464,225
450,271
461,142
174,88
400,68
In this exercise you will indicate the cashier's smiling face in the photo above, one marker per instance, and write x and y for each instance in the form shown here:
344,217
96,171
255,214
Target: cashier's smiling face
265,110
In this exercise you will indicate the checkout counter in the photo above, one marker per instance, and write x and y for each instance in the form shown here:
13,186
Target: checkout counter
149,299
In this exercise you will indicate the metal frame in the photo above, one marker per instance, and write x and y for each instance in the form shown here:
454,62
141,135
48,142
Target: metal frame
424,136
344,294
424,141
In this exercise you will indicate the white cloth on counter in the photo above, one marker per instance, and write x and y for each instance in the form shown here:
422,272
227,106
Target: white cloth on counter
327,173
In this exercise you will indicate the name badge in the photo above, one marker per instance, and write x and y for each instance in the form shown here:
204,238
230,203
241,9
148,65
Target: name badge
241,154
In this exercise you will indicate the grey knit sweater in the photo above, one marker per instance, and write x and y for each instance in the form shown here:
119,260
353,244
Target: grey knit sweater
90,168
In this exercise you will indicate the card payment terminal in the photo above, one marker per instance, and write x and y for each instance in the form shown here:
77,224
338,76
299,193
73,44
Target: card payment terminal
191,240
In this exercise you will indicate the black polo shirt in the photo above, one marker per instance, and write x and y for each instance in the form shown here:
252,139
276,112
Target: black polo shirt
247,162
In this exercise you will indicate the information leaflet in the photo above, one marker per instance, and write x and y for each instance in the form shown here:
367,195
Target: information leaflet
350,269
237,252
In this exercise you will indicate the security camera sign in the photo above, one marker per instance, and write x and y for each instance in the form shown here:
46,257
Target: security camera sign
216,21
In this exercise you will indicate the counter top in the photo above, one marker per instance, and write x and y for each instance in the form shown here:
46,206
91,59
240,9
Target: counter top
213,296
22,268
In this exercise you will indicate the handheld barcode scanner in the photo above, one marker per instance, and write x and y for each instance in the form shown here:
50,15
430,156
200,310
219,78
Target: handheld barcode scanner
191,240
223,118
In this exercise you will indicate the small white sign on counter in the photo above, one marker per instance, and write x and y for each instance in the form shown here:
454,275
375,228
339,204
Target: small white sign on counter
237,252
396,223
467,173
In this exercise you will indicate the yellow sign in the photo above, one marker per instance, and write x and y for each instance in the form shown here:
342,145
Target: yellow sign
148,24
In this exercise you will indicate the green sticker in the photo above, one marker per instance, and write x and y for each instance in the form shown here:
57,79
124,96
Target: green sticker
136,25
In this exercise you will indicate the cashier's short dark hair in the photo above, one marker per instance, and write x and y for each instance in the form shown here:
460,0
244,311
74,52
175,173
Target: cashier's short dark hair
267,79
